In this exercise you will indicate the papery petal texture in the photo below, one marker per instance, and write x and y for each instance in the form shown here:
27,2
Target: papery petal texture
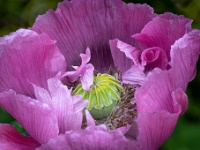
84,72
10,138
27,57
39,69
89,119
171,102
38,119
98,138
79,103
154,57
77,25
134,76
163,31
184,55
158,113
67,108
124,55
152,46
154,128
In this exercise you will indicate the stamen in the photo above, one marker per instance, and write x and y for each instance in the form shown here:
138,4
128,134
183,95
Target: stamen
125,111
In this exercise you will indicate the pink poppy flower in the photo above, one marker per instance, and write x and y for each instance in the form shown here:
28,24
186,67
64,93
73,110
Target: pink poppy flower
128,67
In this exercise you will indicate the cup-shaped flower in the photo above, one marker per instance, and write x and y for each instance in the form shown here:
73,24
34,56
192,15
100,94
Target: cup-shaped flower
151,56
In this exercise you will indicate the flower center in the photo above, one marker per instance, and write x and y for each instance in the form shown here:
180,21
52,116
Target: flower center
110,101
104,95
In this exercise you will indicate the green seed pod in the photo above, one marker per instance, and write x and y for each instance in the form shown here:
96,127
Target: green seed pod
104,94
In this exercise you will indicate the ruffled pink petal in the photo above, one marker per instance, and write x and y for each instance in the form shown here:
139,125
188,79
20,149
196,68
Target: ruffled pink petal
158,110
88,77
163,31
130,51
42,95
91,122
124,55
161,99
61,99
84,72
92,138
36,117
79,24
71,121
163,96
134,76
28,57
11,139
67,108
154,57
156,93
184,56
89,119
79,103
159,104
149,58
154,128
181,100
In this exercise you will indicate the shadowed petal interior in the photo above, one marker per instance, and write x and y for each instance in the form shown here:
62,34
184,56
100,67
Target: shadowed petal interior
76,25
92,138
10,138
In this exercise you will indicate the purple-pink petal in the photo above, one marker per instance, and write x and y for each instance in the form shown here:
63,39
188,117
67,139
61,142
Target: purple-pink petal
163,31
163,109
124,55
134,76
131,52
92,138
154,128
71,121
87,77
158,113
61,98
184,56
154,57
181,100
38,119
11,139
85,72
160,59
159,104
68,109
28,57
78,103
147,97
79,24
89,119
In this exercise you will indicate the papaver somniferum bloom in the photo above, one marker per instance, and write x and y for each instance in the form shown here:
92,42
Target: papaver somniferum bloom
97,74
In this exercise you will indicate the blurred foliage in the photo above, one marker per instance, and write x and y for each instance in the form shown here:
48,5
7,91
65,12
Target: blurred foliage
191,9
5,117
21,14
19,127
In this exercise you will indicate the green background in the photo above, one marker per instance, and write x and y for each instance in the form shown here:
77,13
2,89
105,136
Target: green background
186,136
